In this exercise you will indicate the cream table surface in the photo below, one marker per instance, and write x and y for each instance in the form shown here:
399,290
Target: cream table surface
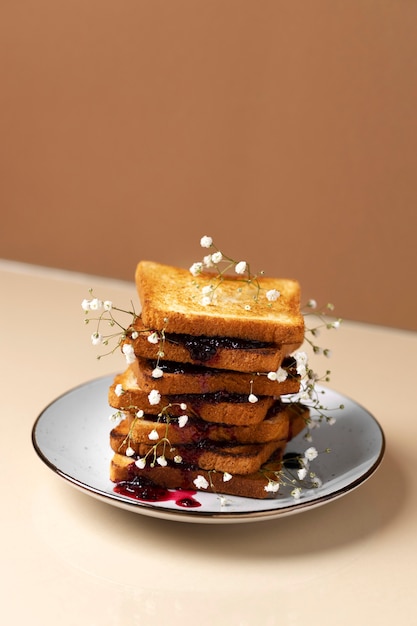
70,559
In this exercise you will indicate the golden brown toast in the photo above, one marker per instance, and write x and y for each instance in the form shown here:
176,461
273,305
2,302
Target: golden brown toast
250,485
219,457
178,378
171,300
220,407
133,430
226,456
230,353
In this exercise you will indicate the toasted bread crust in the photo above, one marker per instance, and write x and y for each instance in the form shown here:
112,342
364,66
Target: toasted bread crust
210,408
233,456
250,485
171,300
210,381
133,430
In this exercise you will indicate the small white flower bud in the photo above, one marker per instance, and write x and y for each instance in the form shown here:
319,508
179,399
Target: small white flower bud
240,267
157,373
206,242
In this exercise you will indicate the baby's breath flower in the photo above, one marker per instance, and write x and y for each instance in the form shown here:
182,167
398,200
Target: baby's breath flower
247,307
207,289
118,390
302,473
140,463
227,477
301,360
153,337
310,454
107,305
312,304
206,242
272,486
129,353
183,406
272,295
161,460
316,482
281,374
130,451
296,493
139,413
96,338
240,267
207,260
157,372
216,257
182,420
135,334
85,305
177,458
95,304
206,301
252,398
200,482
196,269
153,435
272,375
115,417
154,397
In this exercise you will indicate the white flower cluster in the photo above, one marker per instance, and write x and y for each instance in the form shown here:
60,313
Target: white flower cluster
303,472
240,267
301,475
129,353
96,305
155,435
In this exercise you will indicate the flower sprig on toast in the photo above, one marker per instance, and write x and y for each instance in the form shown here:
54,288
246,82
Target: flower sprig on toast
222,264
104,314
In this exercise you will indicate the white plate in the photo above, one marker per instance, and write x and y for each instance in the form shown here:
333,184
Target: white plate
71,436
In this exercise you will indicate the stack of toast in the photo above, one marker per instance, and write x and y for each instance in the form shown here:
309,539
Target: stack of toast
204,398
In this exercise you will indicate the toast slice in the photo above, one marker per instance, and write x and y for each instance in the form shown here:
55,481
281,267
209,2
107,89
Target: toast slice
219,407
224,456
195,379
135,482
218,457
230,353
133,430
171,301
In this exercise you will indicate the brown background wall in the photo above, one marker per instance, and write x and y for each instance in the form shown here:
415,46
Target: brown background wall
285,130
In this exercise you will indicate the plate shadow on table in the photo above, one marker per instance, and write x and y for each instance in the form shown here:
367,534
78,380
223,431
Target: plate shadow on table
366,510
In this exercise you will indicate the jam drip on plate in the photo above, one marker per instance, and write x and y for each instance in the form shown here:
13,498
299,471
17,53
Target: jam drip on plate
143,489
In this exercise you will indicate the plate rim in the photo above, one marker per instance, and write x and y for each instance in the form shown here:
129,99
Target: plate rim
193,515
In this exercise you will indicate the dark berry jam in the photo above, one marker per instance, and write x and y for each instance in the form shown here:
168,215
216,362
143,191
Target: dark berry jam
203,349
144,490
292,460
